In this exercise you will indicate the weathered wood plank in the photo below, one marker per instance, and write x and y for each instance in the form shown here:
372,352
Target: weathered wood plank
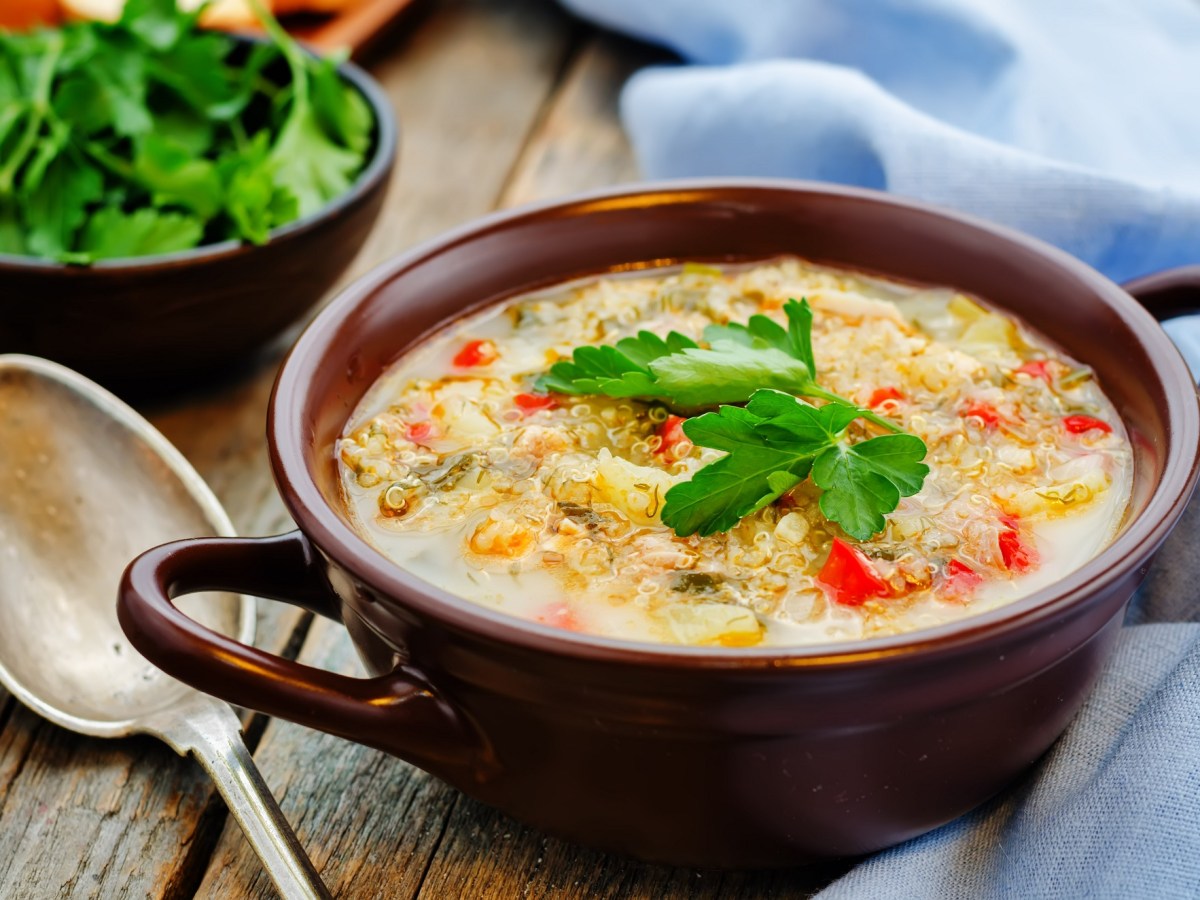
86,818
223,436
369,821
468,88
96,818
579,143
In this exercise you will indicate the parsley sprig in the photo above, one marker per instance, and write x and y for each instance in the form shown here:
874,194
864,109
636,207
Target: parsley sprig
772,443
739,360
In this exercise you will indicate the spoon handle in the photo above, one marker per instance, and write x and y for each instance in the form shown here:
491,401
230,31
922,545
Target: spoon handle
210,731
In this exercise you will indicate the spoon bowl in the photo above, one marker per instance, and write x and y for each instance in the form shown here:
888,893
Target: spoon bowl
85,485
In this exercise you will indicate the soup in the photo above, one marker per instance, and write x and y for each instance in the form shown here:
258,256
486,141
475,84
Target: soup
777,453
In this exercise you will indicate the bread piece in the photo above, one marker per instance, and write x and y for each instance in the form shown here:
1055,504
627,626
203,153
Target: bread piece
220,14
104,10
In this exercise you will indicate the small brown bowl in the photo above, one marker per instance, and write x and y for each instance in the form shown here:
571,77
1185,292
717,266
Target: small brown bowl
703,756
144,323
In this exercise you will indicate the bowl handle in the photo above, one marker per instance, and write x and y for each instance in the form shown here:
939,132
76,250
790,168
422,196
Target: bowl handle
1172,292
399,712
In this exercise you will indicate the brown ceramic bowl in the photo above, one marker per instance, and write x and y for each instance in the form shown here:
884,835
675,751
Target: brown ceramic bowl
700,756
133,323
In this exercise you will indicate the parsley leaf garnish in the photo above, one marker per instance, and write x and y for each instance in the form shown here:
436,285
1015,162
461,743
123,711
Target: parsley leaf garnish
763,331
729,372
757,470
863,482
777,441
739,360
772,443
623,370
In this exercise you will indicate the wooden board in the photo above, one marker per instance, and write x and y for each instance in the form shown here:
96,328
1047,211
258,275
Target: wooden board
356,29
501,102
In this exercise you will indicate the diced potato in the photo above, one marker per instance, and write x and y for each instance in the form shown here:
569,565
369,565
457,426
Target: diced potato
850,305
572,479
989,333
637,491
965,308
1019,459
792,528
909,527
940,371
711,623
474,480
1074,483
984,331
463,422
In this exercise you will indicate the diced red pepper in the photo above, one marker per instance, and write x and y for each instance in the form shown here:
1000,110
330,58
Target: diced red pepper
848,577
420,432
476,353
1017,555
672,439
1083,424
961,580
559,615
882,395
1038,368
982,411
531,403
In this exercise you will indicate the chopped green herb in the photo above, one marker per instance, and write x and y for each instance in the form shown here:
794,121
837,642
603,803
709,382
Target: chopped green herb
149,135
697,583
112,233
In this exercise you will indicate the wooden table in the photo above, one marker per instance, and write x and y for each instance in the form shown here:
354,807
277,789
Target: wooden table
500,103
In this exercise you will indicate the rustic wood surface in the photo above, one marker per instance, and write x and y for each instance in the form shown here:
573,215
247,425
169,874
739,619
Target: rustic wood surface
501,102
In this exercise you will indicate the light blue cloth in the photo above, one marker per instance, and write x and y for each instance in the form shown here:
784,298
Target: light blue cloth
1074,120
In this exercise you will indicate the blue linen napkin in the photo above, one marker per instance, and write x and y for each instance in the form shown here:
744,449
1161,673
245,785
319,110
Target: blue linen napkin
1074,120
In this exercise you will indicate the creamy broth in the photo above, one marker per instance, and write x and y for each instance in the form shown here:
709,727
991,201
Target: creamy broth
548,507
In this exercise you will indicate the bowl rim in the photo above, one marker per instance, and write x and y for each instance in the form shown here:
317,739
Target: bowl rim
376,169
286,435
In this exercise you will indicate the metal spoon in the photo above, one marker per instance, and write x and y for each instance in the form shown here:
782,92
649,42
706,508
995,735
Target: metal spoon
85,485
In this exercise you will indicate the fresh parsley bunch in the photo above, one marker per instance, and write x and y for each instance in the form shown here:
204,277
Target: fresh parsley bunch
772,443
149,136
